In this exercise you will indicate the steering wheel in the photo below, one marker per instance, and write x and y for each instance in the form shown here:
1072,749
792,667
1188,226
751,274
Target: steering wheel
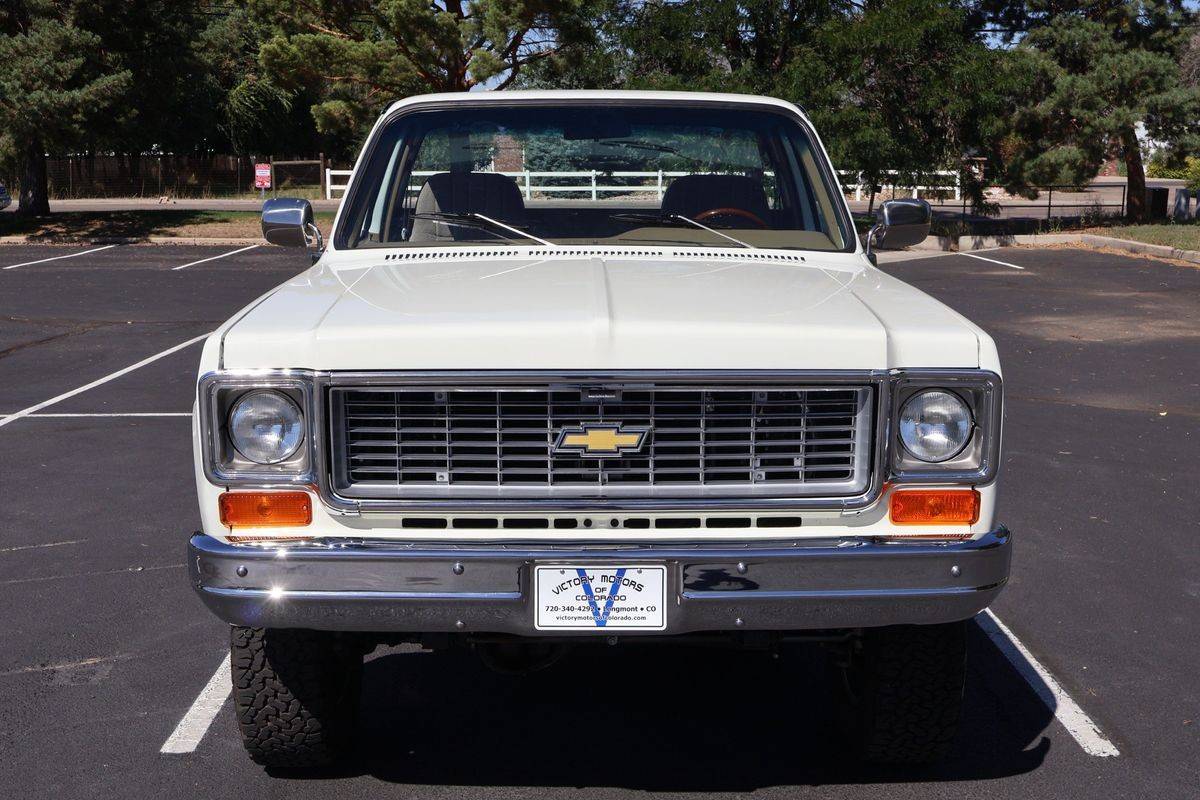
734,212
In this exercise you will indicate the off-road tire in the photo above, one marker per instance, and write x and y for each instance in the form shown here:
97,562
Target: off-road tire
903,691
296,695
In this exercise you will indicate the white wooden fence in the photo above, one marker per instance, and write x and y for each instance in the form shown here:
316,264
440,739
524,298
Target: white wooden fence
591,182
535,181
331,187
856,181
588,182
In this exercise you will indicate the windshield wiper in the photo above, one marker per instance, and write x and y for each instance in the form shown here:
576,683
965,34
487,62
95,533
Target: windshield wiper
661,219
479,222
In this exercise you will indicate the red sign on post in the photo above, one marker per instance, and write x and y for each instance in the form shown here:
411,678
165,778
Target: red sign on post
262,176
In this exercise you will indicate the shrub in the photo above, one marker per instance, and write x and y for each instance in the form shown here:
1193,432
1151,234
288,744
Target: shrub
1188,171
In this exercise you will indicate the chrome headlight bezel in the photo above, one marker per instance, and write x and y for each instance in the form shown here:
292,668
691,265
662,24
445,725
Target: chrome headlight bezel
977,461
223,463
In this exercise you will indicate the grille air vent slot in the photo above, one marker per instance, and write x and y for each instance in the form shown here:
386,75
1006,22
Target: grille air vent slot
400,442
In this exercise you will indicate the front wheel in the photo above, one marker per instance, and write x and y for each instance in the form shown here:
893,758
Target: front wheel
296,695
903,691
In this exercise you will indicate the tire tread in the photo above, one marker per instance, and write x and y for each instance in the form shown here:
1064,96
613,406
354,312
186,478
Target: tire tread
912,693
295,693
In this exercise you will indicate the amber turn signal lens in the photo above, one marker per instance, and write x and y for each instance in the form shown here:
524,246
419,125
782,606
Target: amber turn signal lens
265,509
935,507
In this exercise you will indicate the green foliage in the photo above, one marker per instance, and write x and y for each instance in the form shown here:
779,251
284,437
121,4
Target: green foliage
253,114
908,85
54,86
1180,235
171,99
361,56
698,45
1095,72
253,110
50,88
905,85
1188,170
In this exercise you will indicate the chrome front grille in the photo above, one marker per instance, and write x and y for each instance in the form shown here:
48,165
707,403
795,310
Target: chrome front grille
506,441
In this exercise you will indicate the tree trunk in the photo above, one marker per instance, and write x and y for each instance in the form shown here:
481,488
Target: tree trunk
1135,176
34,199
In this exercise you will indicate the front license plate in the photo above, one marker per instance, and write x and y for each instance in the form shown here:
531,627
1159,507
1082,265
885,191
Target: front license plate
569,598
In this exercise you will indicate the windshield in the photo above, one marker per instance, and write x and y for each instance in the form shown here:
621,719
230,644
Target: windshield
603,175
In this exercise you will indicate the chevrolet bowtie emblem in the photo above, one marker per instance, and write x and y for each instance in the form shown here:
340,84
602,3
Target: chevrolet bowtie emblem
600,439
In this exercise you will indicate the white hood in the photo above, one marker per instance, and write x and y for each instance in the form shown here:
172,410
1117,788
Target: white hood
600,310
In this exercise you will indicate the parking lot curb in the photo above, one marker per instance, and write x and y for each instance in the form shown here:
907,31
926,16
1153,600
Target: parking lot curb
1162,251
190,240
966,243
976,242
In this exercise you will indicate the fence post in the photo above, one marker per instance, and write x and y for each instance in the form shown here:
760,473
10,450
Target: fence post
660,191
957,186
1049,203
328,185
593,184
528,190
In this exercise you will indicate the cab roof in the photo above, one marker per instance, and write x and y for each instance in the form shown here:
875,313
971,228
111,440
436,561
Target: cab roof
591,94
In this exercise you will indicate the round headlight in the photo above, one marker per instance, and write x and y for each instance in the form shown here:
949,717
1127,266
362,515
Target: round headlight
266,427
935,425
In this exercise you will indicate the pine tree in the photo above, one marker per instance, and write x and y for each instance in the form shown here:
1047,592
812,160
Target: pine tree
52,82
904,86
1100,70
367,53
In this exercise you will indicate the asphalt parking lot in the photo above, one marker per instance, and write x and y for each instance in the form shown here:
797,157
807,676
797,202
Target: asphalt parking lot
106,649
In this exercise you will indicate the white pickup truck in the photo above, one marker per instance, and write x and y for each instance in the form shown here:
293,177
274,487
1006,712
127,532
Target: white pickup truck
582,368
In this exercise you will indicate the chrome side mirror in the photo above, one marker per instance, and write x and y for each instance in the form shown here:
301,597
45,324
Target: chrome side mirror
288,222
901,223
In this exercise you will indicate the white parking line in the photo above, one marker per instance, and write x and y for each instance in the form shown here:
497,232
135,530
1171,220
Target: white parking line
195,723
56,258
214,258
106,414
1081,727
994,261
25,412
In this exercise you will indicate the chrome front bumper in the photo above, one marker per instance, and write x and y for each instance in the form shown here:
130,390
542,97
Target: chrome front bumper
799,585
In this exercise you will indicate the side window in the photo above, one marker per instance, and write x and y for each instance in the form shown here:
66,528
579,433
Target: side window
378,213
817,199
